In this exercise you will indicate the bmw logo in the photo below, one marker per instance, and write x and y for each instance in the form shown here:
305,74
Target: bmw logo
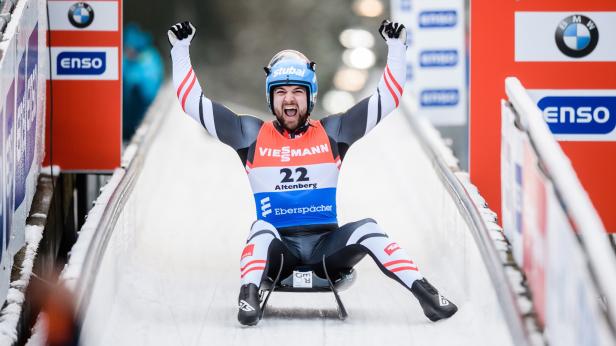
81,15
577,36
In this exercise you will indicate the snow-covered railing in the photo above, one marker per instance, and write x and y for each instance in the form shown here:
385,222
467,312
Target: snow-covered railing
23,70
481,221
557,235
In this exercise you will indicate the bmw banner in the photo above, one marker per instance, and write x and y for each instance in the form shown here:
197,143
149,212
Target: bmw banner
86,61
565,36
436,67
564,53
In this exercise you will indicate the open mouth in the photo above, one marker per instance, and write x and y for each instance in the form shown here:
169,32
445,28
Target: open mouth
290,111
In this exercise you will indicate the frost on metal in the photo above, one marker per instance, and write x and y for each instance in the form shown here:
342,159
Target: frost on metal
9,316
51,170
72,270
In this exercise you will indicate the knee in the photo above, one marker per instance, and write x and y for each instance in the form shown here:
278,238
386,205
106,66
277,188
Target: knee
262,227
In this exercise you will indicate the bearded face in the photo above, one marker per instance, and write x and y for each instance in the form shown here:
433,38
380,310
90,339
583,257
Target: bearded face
290,105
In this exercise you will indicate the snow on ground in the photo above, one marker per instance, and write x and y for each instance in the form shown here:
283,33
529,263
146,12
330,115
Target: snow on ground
171,274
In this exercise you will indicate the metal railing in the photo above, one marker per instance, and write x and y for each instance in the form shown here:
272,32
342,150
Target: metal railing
132,164
483,236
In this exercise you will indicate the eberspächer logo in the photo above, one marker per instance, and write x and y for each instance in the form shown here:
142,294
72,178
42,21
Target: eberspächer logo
81,15
577,36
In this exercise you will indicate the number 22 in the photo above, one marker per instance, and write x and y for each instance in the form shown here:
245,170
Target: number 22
302,171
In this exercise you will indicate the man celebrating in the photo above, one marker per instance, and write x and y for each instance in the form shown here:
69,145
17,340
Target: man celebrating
293,163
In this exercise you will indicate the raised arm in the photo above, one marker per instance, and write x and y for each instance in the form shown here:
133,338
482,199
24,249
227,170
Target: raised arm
219,121
351,125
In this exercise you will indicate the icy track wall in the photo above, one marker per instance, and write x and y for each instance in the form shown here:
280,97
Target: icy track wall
107,241
23,71
555,232
114,219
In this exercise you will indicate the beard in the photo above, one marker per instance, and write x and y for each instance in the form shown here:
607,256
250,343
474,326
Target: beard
289,120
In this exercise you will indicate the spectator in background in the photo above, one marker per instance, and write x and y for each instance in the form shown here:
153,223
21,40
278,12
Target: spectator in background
143,74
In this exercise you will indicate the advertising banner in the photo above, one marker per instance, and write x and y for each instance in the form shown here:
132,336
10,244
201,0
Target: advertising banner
512,181
86,79
21,144
436,68
25,126
534,223
573,309
565,54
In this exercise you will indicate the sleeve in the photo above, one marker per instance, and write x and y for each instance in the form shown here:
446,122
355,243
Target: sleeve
219,121
353,124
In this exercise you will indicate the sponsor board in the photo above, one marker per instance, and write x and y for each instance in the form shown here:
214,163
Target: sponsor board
438,18
436,58
512,140
573,312
565,36
97,63
89,15
578,115
534,226
8,160
439,97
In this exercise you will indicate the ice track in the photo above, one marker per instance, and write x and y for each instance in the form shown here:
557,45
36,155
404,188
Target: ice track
171,275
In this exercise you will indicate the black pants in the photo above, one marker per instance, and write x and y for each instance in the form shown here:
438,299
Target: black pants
305,248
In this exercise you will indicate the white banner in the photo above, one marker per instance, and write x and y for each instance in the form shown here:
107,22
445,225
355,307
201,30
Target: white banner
565,36
436,69
91,15
573,306
512,140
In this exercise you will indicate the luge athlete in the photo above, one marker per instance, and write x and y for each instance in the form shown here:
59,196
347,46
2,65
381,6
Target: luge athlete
293,163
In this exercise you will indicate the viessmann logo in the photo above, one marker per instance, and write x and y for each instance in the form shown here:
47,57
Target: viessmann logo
81,63
286,153
579,114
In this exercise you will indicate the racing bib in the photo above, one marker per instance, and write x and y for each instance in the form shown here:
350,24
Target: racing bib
294,180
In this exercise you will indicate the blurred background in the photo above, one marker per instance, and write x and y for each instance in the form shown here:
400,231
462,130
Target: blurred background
236,39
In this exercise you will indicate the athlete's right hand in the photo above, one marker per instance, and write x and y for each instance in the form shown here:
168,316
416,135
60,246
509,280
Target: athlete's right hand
393,31
181,34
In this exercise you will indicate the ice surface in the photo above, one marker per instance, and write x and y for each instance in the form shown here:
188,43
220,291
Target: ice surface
171,275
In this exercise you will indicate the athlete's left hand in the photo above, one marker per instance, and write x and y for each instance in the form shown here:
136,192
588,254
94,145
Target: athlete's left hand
393,31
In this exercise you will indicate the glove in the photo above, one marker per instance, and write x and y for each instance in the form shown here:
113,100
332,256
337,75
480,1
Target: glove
392,31
181,34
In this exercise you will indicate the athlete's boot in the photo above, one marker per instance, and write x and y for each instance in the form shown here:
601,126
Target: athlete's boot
434,305
248,303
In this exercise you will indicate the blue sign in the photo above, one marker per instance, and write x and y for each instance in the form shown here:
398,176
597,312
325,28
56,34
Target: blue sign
438,19
8,158
579,114
439,97
81,63
438,58
25,140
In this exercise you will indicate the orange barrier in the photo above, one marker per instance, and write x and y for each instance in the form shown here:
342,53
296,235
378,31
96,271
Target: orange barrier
545,69
85,85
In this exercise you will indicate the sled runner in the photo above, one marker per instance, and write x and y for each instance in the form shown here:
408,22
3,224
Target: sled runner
304,279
